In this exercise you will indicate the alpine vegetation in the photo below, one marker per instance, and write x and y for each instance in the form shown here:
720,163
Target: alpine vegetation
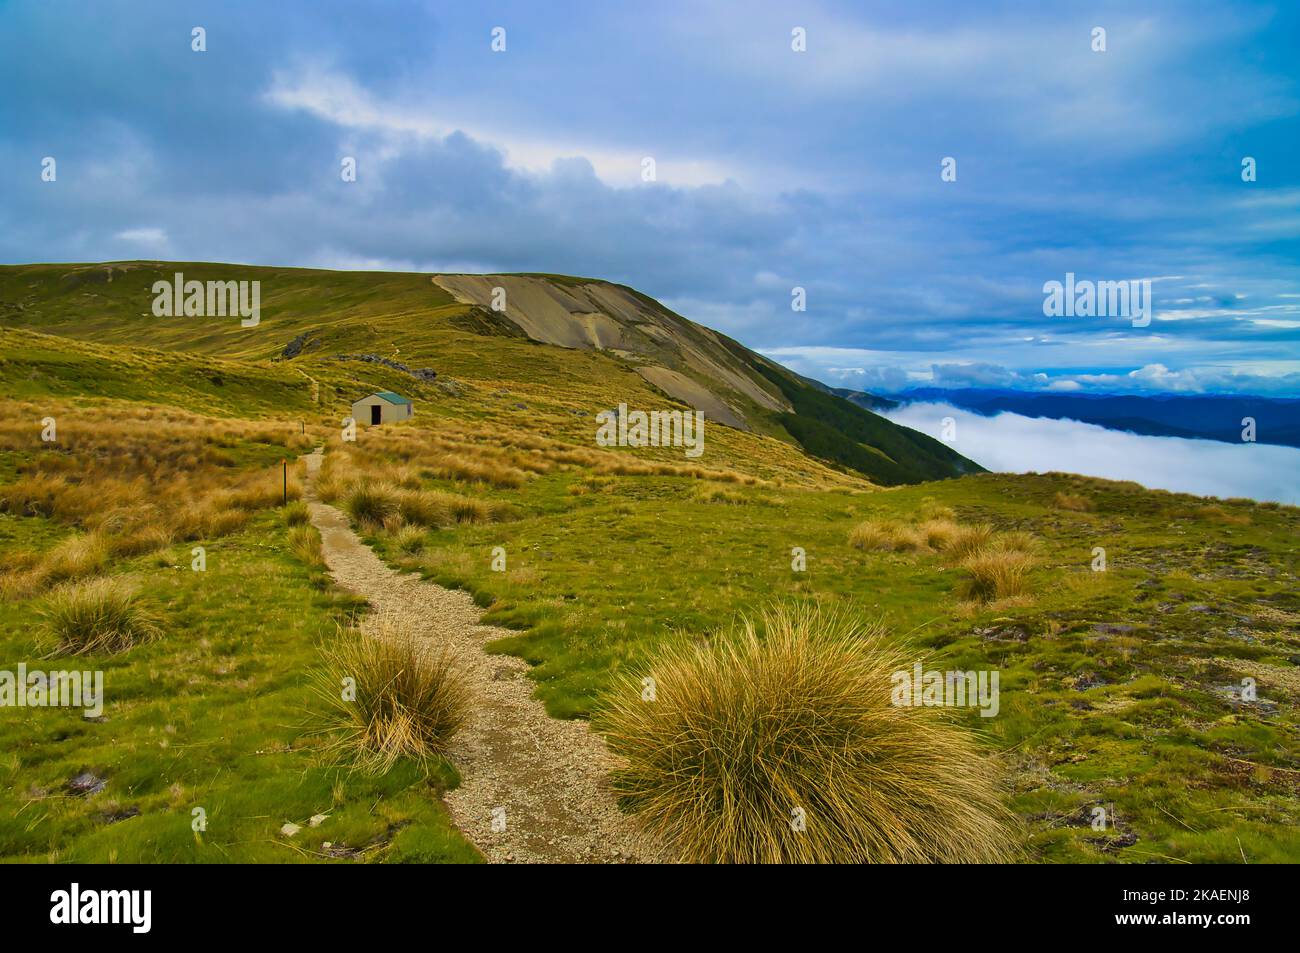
658,428
33,688
778,741
390,695
212,299
101,615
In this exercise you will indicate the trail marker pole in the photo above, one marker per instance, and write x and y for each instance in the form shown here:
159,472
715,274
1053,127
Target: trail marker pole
286,481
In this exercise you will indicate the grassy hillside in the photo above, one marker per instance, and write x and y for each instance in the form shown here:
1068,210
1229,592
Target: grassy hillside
1120,689
310,318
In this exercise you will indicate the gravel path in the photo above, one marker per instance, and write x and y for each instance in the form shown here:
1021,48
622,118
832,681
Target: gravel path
539,778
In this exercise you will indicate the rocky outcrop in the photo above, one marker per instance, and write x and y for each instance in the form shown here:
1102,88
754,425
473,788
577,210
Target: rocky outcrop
427,374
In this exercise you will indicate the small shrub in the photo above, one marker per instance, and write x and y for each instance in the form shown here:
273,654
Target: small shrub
97,616
747,727
411,696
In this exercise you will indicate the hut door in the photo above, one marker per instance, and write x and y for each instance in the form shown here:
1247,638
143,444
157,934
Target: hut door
375,413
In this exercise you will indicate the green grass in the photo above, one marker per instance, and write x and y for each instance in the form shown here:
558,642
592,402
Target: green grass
217,714
596,583
1114,685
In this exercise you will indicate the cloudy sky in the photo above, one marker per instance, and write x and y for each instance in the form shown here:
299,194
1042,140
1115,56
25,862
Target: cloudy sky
774,168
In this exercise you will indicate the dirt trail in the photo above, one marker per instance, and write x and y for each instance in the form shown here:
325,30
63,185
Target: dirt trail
544,778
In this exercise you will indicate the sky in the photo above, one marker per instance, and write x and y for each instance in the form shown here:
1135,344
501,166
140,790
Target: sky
773,168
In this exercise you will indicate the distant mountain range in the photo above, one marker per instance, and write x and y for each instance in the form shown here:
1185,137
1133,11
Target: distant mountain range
1209,417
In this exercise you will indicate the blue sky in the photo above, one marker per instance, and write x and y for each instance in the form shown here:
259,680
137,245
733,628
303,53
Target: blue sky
774,168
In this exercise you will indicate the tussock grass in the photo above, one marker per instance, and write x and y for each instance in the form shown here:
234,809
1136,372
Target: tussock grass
939,534
1074,502
720,494
968,540
932,510
435,508
996,573
411,697
369,504
305,543
888,535
83,554
96,616
409,539
296,514
1015,539
491,472
144,476
209,521
796,714
1218,514
144,539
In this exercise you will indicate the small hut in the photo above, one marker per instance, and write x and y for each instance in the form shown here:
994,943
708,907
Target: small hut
383,407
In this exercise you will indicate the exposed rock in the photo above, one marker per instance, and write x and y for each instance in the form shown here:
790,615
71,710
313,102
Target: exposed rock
289,829
86,783
1003,633
299,344
112,817
421,373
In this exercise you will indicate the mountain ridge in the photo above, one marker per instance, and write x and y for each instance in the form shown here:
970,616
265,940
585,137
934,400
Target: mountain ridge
418,319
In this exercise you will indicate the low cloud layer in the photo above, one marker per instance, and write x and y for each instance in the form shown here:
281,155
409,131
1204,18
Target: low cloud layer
1011,443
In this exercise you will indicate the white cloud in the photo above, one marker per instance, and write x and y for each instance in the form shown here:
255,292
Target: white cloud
338,99
1011,443
143,236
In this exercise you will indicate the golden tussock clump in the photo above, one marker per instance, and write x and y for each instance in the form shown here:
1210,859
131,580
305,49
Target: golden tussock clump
1074,502
994,574
411,695
789,719
888,535
101,615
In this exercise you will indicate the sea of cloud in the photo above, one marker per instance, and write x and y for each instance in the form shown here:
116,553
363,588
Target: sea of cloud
1011,443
